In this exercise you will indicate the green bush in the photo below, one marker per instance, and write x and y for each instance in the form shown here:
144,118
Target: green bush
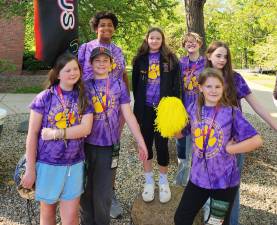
32,64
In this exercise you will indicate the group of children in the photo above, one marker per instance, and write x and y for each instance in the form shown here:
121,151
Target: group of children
74,129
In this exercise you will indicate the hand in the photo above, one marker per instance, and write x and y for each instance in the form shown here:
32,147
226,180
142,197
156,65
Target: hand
143,153
48,134
28,179
229,146
179,135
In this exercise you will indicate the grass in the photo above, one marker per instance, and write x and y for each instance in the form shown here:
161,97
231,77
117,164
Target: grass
261,79
25,90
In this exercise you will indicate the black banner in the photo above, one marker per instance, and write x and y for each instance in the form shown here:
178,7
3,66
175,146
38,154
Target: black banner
56,28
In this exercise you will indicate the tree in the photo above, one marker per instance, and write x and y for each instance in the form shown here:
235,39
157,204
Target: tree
195,18
135,17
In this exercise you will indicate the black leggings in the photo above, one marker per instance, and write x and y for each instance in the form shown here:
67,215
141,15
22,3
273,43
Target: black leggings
147,130
195,197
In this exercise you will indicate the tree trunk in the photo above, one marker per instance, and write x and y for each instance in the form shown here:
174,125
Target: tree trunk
195,18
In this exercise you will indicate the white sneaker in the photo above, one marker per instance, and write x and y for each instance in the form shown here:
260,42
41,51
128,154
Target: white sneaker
148,193
165,193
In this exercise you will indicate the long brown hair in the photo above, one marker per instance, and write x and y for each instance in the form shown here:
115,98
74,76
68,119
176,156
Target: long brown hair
227,70
165,51
204,75
53,75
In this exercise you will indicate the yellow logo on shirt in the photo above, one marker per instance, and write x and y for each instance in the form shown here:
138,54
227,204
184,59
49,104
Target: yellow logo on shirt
97,104
192,84
154,71
200,136
60,119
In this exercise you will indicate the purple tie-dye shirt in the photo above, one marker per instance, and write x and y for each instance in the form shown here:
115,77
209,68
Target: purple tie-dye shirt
190,71
153,82
49,104
104,133
241,87
222,167
117,67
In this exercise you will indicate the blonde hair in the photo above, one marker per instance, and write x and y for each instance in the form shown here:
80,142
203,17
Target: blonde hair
196,36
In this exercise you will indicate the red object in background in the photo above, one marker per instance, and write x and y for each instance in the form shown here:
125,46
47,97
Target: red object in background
56,28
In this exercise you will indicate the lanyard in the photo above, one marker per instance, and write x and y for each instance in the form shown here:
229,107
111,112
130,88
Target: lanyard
206,138
102,103
67,112
98,94
190,71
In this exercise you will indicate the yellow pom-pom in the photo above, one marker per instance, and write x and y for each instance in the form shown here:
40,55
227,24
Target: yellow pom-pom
171,118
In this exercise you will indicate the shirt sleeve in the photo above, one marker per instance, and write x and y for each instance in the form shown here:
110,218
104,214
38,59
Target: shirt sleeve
124,97
81,54
241,129
241,86
40,101
89,108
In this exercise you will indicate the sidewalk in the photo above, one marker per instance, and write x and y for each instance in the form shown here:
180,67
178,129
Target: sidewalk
264,96
16,103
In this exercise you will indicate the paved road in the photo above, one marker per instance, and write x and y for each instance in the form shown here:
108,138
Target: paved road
264,96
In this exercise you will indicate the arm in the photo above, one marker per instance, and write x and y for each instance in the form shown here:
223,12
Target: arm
35,121
261,111
134,127
81,130
247,145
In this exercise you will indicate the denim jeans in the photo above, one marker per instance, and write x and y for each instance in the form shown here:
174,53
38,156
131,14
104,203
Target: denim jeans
234,219
184,152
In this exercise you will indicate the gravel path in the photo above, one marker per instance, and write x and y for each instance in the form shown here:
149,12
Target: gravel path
258,188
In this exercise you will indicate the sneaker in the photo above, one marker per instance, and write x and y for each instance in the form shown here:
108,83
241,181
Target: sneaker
116,210
165,193
148,193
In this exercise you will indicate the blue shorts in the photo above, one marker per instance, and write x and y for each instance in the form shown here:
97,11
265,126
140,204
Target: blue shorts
54,183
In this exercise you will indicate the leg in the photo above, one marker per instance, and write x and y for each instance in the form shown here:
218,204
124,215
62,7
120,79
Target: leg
69,211
161,145
147,130
47,213
226,195
234,220
86,210
116,209
191,202
181,148
102,187
184,149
